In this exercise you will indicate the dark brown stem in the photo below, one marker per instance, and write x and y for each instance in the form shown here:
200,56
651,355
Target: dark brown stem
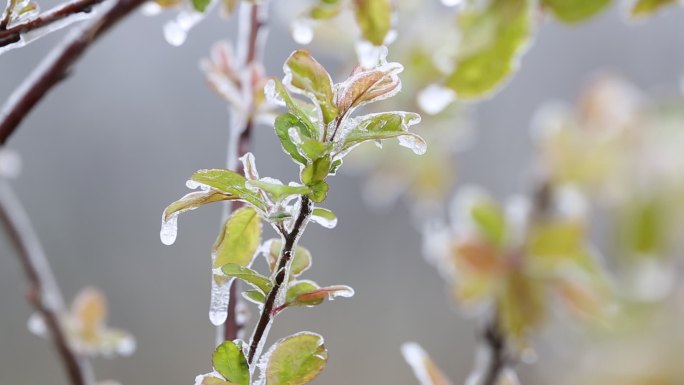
496,344
254,48
42,292
56,66
267,312
12,35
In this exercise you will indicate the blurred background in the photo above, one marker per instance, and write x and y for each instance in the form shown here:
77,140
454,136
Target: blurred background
110,147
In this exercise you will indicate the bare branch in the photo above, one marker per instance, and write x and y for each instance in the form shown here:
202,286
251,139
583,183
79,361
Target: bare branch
42,292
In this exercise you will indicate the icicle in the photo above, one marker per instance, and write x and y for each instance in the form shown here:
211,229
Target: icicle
302,31
413,142
218,309
169,229
435,98
328,223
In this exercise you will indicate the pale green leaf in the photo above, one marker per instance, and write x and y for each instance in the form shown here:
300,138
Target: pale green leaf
573,11
296,360
301,261
278,191
231,363
229,182
374,18
324,217
646,7
239,238
305,75
248,275
490,220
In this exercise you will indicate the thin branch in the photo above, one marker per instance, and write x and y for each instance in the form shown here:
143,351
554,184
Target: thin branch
252,42
496,343
57,64
267,312
42,292
61,12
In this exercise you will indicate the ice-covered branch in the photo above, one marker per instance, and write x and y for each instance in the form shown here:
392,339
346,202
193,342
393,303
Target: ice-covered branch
42,292
58,63
268,311
56,18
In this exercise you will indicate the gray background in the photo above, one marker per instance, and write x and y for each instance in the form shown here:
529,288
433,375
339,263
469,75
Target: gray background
109,148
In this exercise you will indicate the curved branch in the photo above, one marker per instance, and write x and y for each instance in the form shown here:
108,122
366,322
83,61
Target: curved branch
42,292
57,64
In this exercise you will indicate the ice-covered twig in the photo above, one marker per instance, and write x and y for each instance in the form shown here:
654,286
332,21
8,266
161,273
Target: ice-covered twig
250,43
496,345
61,12
57,64
42,292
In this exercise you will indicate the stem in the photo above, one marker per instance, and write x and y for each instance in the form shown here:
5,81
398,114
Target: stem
43,292
267,313
496,342
12,35
57,64
251,40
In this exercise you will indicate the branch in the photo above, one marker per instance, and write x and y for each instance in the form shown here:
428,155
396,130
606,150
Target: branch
496,342
12,35
251,41
57,64
267,312
43,292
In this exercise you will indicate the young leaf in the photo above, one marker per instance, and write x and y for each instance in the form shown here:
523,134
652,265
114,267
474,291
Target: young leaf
316,171
573,11
228,182
493,36
188,202
647,7
324,217
254,296
319,191
295,360
300,287
303,74
368,86
248,275
300,262
231,363
239,239
279,191
277,94
374,18
382,126
200,5
283,123
490,221
315,297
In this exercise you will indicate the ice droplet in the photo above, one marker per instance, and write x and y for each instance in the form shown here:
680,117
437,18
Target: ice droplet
126,346
452,3
10,163
36,325
413,142
435,98
328,223
369,55
176,30
302,31
174,34
150,8
218,308
169,229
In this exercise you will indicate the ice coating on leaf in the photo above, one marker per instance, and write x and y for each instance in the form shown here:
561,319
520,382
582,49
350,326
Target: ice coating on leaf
302,30
324,217
295,360
435,98
249,165
169,229
369,54
218,308
423,368
10,163
413,142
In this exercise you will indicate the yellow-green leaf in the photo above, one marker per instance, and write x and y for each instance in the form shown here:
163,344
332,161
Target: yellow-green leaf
296,360
248,275
647,7
239,238
306,75
300,262
374,18
231,363
492,39
573,11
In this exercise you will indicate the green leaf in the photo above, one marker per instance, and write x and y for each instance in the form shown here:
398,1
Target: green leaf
248,275
374,17
490,221
573,11
275,89
301,261
317,171
283,123
200,5
297,288
386,125
239,239
231,363
255,296
229,182
319,191
492,39
325,10
647,7
368,86
307,76
194,200
324,217
296,360
278,191
313,149
307,293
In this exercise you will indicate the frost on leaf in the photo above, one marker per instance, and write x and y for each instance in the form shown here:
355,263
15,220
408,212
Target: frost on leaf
295,360
87,329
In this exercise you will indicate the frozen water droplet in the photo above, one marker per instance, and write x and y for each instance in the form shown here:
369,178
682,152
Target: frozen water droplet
302,31
10,163
169,229
414,143
150,8
435,98
328,223
369,55
36,325
452,3
126,346
218,309
174,34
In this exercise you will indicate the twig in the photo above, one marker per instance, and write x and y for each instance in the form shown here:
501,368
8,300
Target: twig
267,312
57,64
496,343
43,292
12,35
251,41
